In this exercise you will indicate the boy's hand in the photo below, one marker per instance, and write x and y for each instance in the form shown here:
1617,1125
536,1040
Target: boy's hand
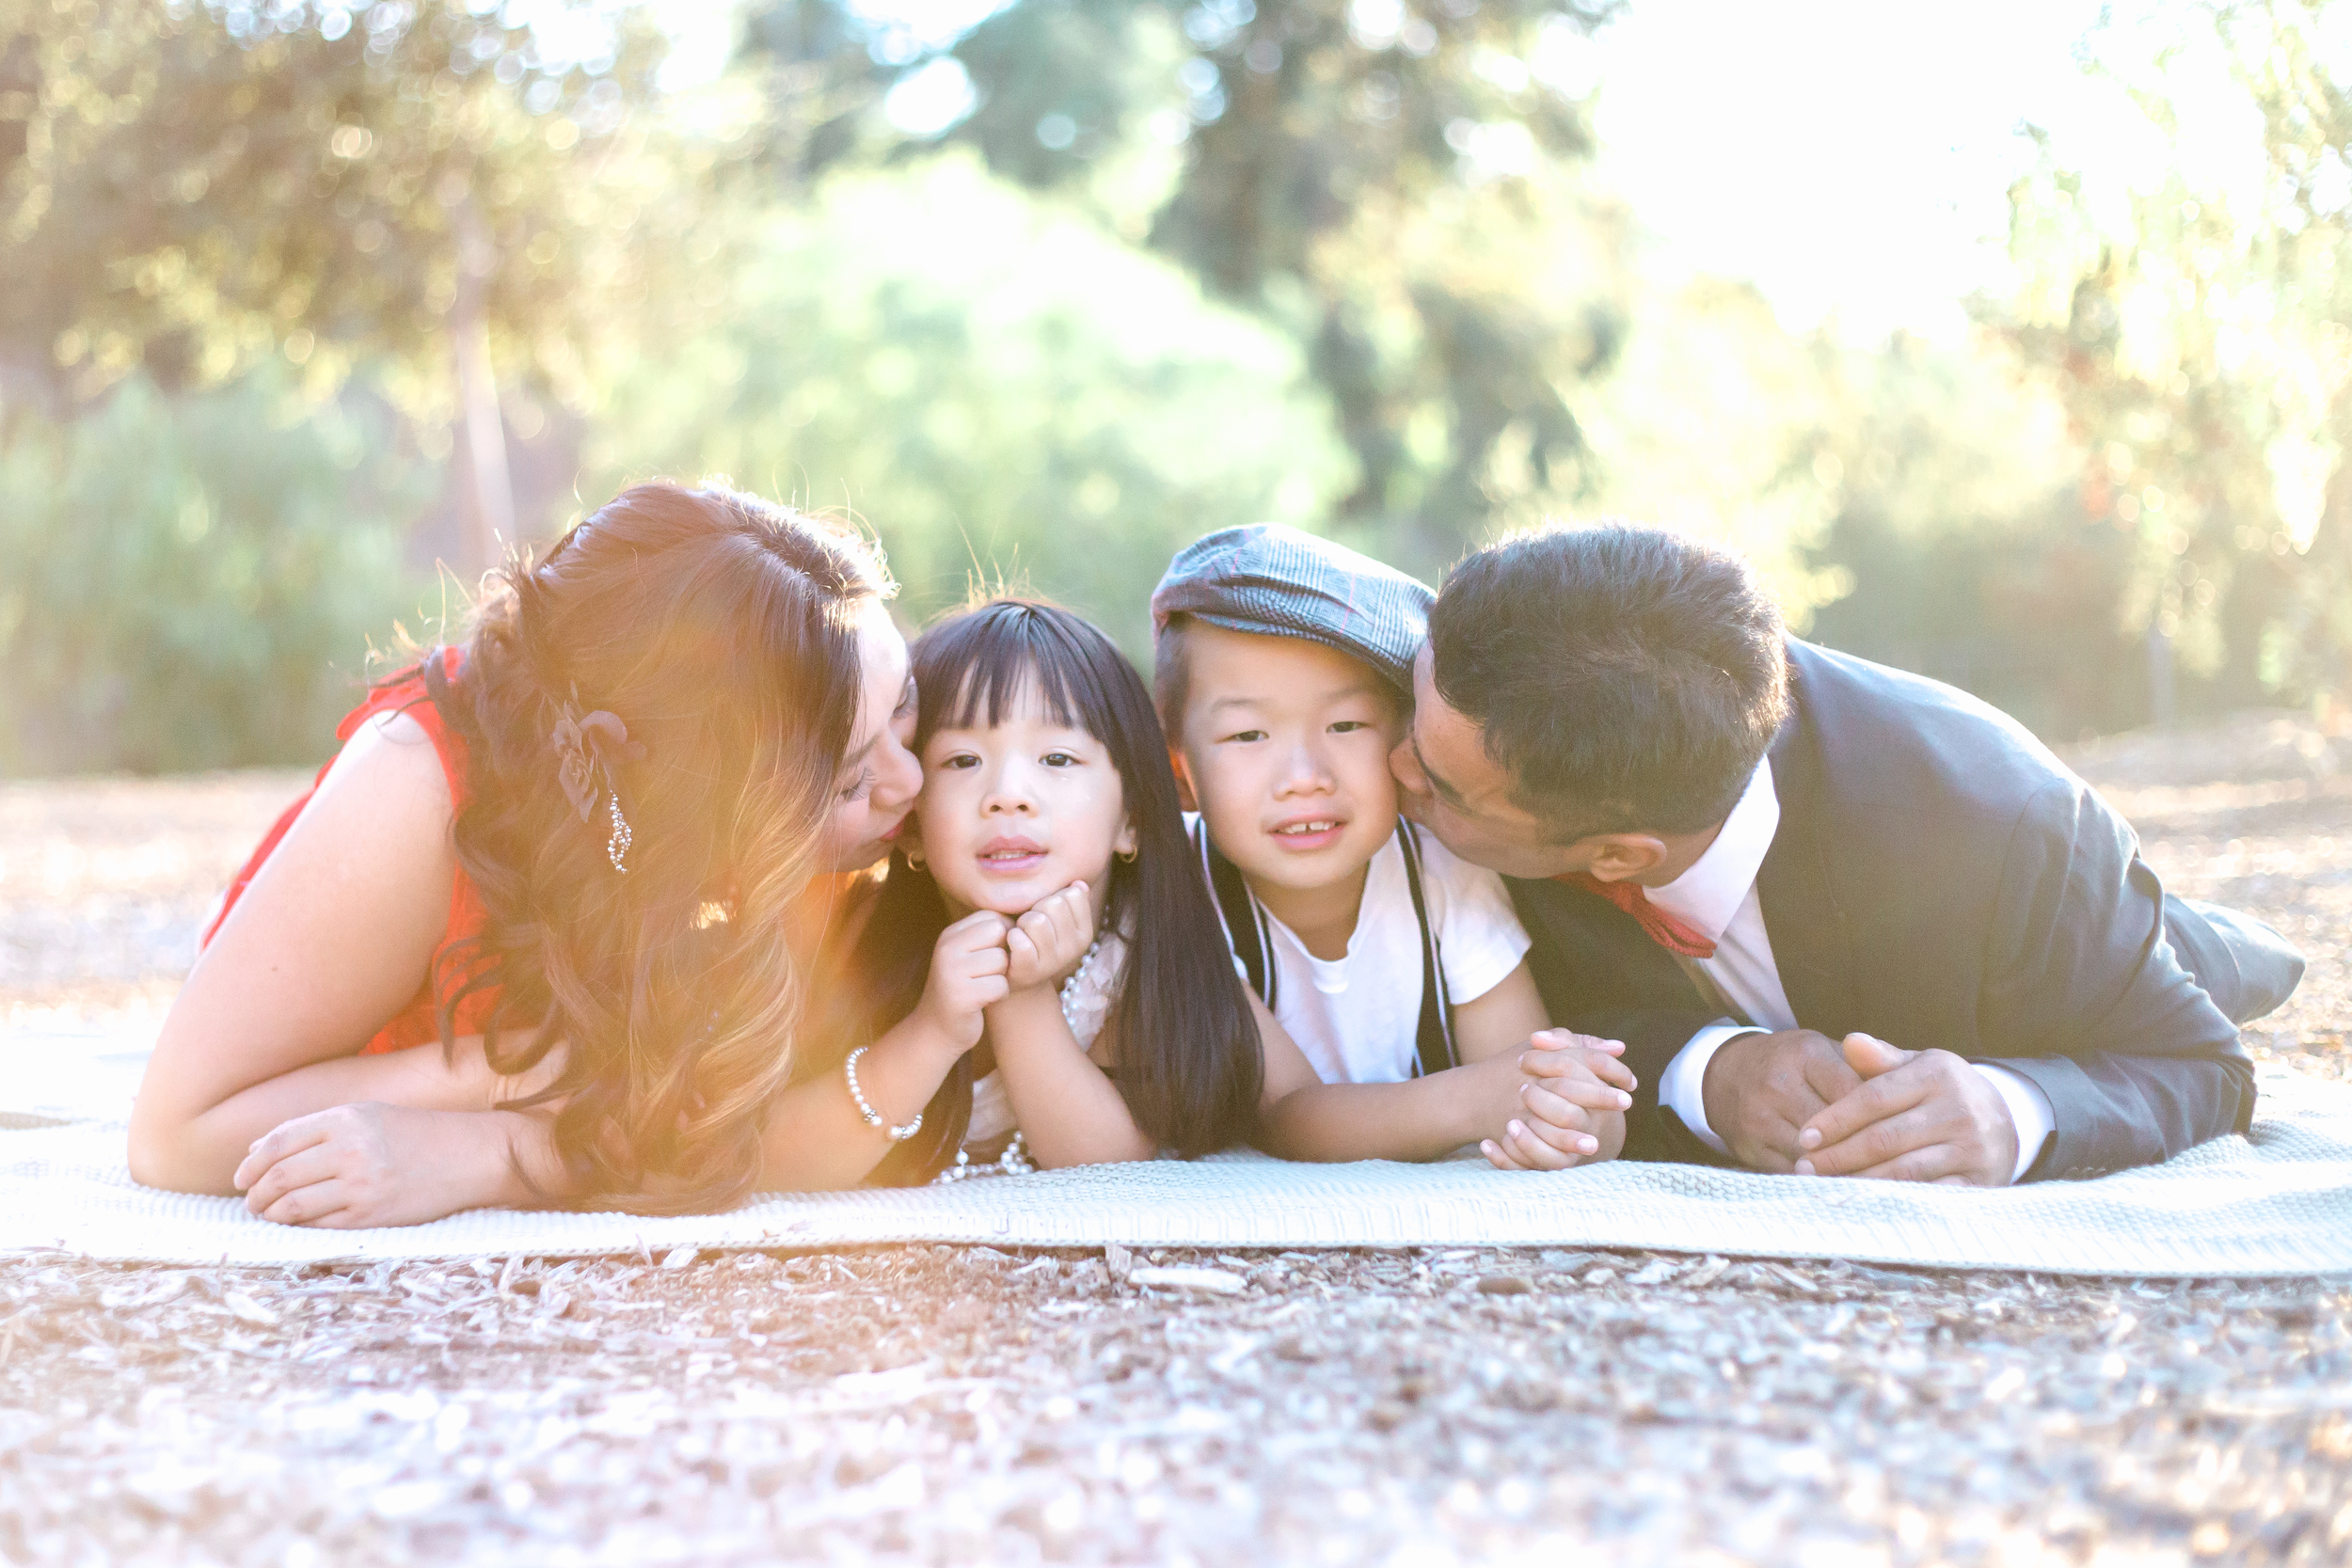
1575,1093
968,965
1050,938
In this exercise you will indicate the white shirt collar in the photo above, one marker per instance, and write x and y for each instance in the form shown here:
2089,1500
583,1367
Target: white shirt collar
1711,891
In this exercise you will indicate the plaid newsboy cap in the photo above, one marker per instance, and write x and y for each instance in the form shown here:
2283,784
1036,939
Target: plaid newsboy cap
1276,581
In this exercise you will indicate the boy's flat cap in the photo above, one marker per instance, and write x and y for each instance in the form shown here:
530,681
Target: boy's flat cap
1278,582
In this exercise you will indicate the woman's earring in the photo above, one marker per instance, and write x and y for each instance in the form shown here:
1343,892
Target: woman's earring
1127,857
616,847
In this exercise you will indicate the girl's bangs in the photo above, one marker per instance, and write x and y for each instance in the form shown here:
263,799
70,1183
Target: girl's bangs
976,670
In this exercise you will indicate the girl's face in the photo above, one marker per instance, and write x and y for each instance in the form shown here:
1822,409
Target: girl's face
1013,813
879,778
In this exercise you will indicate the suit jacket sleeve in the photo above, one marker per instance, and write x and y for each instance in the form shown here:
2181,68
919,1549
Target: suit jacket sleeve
2083,994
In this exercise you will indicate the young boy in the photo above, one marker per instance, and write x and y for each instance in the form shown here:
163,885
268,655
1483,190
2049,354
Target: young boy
1282,668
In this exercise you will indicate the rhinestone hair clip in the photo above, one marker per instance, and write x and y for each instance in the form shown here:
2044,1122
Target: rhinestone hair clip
589,751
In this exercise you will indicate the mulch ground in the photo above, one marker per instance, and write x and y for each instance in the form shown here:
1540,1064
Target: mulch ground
947,1404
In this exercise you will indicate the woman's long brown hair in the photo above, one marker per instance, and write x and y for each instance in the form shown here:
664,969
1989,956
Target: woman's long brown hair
722,631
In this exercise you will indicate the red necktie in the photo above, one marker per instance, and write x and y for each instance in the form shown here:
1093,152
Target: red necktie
1674,936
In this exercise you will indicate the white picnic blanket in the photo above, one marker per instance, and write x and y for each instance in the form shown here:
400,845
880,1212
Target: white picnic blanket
2277,1202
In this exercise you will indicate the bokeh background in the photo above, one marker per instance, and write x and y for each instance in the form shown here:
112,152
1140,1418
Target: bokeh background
2010,340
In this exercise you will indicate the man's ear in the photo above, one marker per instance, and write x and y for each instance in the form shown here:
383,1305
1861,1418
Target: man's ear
1185,795
1621,857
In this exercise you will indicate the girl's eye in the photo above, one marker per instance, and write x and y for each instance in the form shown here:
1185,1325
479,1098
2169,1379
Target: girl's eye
1061,759
1246,734
1349,726
960,761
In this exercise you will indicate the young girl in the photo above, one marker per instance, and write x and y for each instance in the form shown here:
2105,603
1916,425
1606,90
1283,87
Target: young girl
1042,980
533,935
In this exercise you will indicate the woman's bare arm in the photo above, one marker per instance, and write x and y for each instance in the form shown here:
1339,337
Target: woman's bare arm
335,934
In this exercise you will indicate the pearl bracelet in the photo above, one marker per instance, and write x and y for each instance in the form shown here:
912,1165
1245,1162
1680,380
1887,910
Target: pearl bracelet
874,1117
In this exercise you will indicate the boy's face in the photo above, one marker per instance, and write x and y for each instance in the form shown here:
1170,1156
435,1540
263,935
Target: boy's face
1285,745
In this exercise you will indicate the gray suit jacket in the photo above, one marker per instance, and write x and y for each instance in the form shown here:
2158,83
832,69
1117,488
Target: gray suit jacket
1939,878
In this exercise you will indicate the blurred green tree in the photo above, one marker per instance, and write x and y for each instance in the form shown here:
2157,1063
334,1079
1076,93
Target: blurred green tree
1914,502
1706,422
191,580
1393,185
2192,316
190,189
1003,389
1958,537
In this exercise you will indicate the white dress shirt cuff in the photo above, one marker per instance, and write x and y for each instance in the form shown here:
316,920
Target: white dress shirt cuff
2028,1108
1682,1088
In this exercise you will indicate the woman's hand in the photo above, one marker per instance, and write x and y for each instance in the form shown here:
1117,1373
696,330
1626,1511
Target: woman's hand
370,1165
968,965
1049,941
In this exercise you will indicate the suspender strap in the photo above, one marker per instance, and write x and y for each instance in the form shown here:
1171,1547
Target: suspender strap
1433,1038
1244,924
1245,928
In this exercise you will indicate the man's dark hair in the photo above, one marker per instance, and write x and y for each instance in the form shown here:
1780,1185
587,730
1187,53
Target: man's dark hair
1625,677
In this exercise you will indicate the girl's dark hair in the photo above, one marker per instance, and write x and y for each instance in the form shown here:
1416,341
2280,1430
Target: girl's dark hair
722,631
1188,1059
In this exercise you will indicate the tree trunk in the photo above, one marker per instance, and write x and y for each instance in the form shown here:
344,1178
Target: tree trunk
2163,705
491,510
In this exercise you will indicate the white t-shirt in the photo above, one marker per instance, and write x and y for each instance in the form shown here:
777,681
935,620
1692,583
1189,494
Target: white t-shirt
1356,1017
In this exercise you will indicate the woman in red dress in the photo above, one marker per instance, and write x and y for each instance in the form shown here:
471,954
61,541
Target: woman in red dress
543,930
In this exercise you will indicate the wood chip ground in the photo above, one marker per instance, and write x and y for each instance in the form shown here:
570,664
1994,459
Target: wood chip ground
966,1405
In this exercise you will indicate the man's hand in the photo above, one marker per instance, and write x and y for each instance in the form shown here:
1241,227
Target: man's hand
1918,1115
1762,1090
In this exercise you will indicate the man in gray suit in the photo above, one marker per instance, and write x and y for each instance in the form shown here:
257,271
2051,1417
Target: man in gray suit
1848,921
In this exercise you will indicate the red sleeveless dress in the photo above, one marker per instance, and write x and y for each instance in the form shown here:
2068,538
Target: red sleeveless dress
420,1021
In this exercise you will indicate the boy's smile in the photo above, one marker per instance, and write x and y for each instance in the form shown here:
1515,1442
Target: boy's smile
1285,745
1303,834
